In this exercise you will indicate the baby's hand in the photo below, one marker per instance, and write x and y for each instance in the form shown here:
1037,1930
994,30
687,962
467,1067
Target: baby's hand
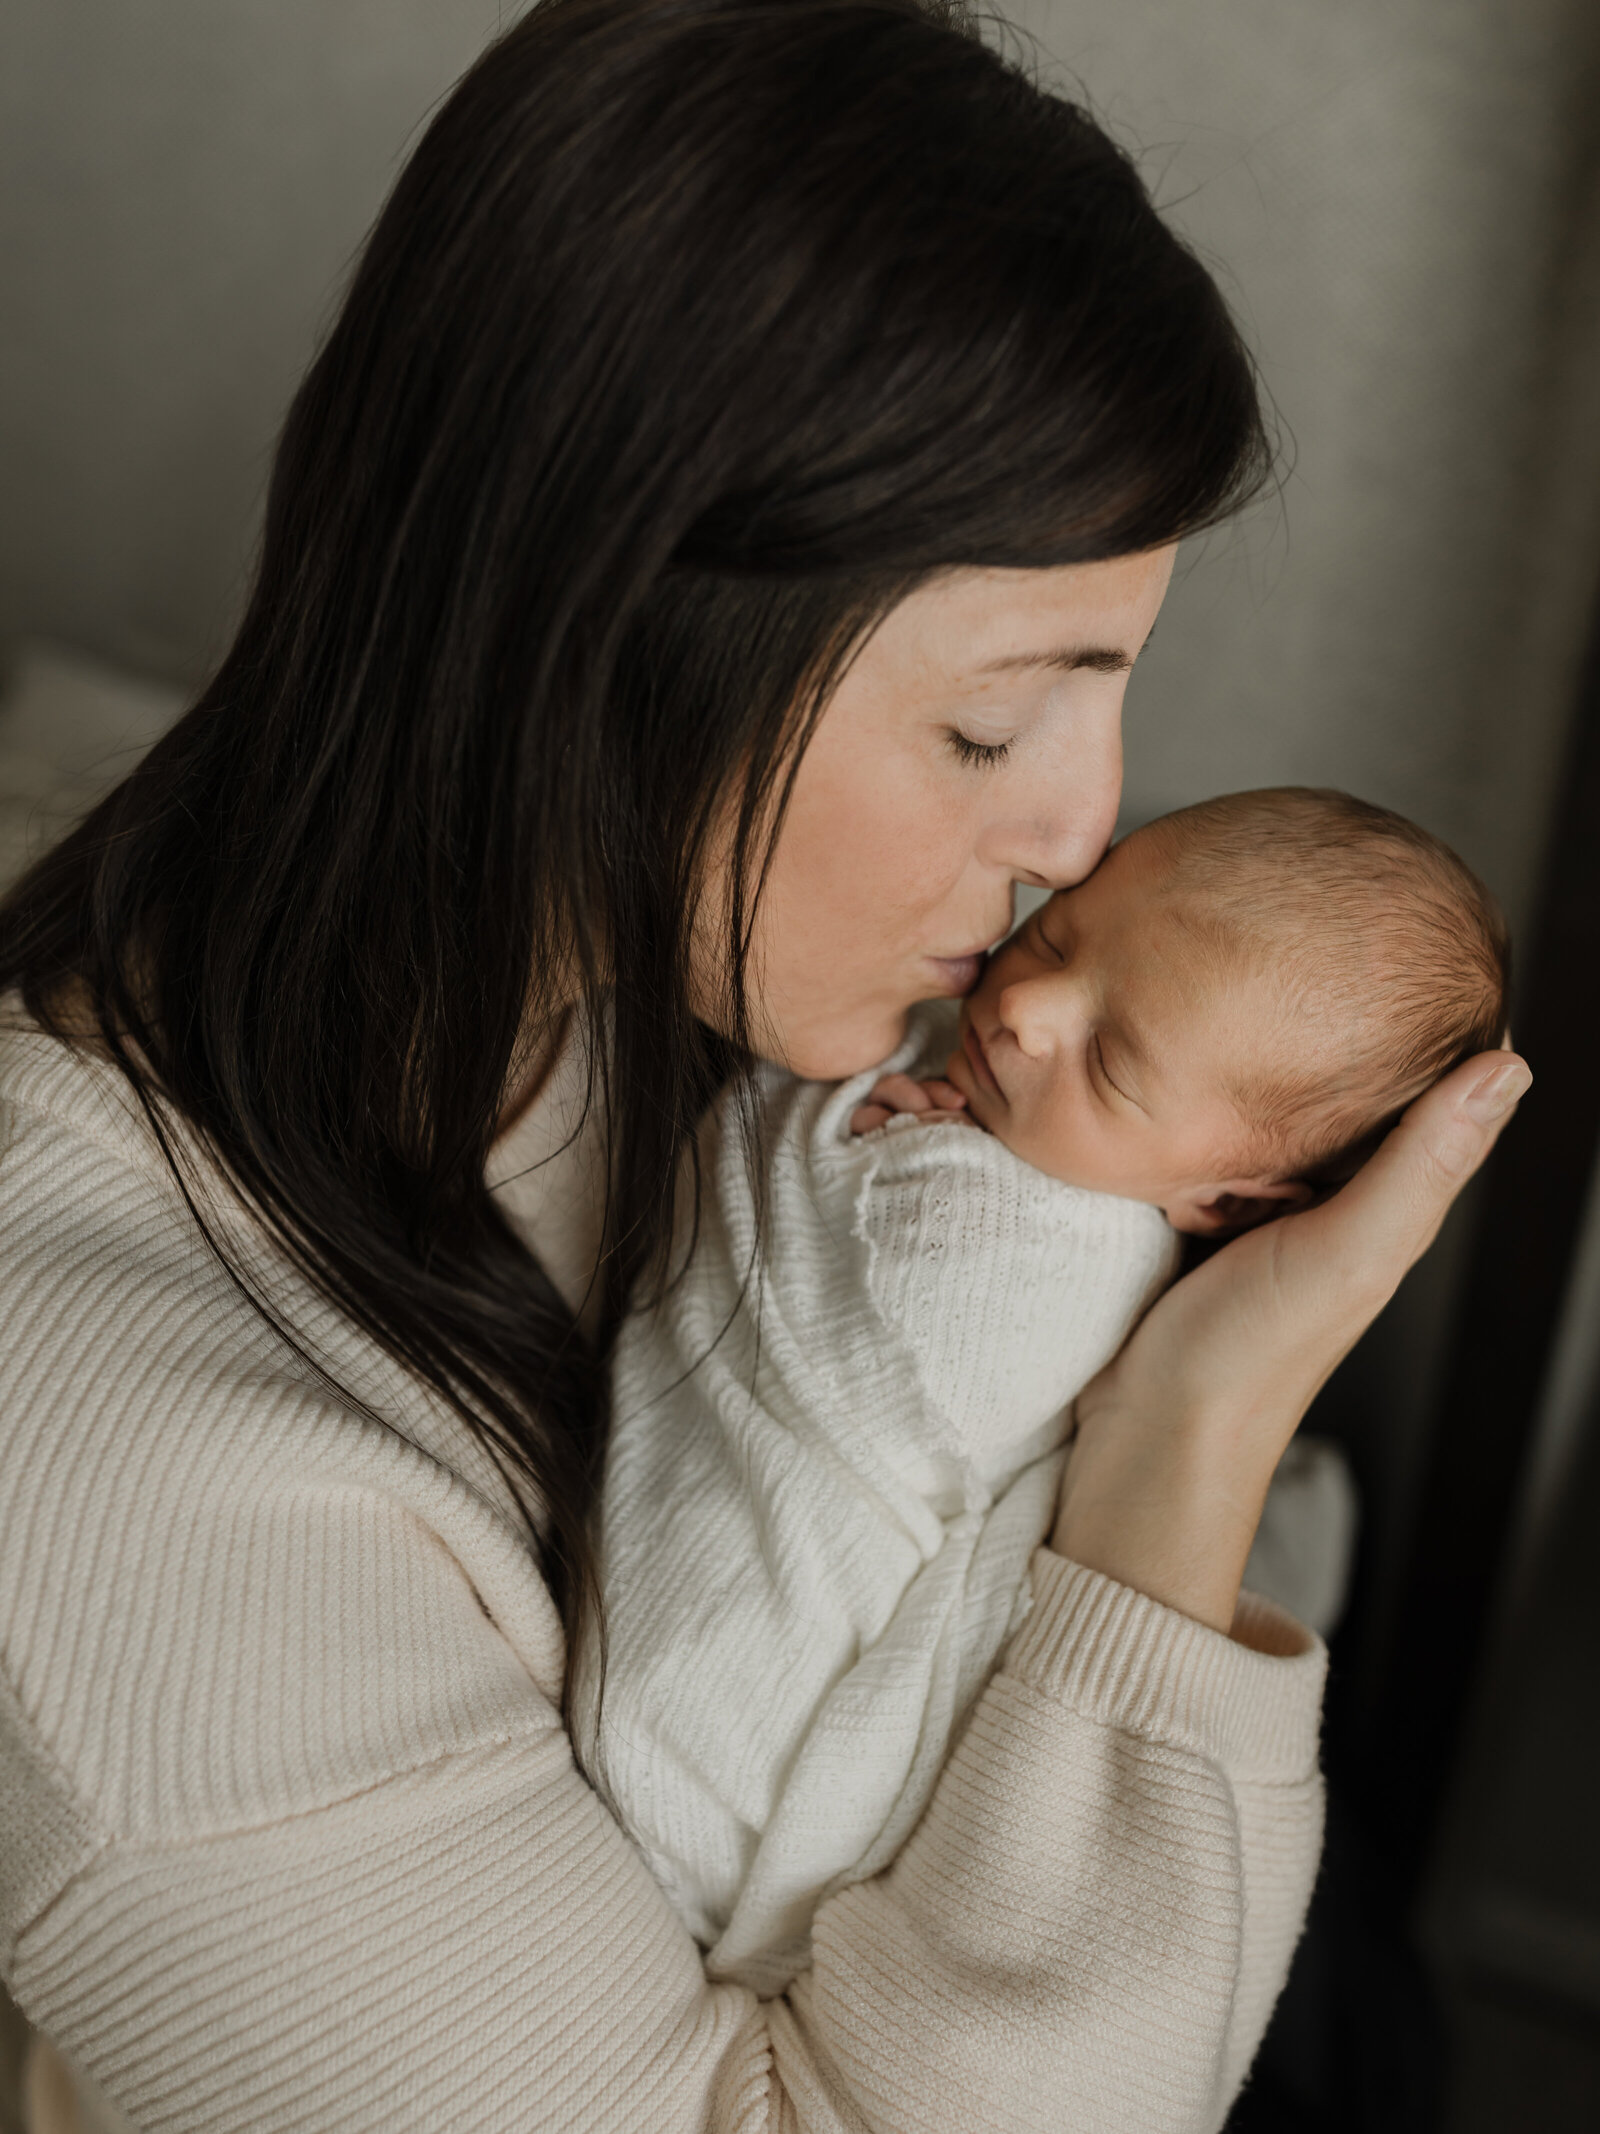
934,1099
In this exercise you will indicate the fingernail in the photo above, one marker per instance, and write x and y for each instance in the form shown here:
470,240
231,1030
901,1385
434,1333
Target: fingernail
1497,1092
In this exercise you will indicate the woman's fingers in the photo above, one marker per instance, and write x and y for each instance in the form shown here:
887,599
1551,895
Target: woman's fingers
1446,1134
1384,1219
1334,1267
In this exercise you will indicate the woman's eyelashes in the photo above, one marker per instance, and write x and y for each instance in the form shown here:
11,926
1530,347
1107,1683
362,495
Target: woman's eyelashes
984,755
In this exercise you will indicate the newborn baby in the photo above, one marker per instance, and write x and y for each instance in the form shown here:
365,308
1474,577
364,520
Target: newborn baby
838,1440
1231,1011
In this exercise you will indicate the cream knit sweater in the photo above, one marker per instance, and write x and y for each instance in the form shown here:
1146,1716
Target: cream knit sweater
292,1837
835,1448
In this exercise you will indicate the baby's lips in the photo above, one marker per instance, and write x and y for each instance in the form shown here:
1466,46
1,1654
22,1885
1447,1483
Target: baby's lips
978,1058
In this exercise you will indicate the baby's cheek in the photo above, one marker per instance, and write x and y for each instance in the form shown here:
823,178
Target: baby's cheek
1056,1137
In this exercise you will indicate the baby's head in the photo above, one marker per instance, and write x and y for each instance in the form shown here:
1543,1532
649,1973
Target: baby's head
1235,1004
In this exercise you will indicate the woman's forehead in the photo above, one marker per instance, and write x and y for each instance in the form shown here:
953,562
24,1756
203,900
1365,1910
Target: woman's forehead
990,622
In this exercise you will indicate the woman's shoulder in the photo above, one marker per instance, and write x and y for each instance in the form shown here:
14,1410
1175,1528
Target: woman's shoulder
55,1093
236,1581
99,1234
101,1259
93,1230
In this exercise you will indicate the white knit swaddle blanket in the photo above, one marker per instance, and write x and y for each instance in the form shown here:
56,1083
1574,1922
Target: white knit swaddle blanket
827,1474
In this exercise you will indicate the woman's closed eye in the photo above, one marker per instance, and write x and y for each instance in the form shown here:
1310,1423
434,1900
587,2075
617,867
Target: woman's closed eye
984,755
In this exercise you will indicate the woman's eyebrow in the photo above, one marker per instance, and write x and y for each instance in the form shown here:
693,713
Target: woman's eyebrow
1070,659
1102,659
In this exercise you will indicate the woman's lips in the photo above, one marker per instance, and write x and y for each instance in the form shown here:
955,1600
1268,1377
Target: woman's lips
961,973
957,974
972,1046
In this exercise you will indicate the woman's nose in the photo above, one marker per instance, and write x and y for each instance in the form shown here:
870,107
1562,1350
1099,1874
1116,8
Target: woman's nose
1069,806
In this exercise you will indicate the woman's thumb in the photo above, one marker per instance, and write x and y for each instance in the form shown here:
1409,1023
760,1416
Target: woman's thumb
1444,1137
1504,1079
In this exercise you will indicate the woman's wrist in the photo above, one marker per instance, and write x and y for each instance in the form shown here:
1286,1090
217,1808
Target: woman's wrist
1173,1519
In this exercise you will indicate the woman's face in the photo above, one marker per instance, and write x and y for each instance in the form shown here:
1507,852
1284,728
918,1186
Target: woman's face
975,742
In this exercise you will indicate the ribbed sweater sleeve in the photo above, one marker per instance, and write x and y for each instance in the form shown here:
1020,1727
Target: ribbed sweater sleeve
292,1837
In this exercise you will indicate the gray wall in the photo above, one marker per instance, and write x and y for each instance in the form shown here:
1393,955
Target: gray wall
182,185
1401,196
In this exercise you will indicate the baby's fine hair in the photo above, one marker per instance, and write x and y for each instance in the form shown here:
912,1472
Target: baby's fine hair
1373,926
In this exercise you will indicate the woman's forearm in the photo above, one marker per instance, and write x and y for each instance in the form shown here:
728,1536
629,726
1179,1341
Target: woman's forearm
1001,1975
1177,1527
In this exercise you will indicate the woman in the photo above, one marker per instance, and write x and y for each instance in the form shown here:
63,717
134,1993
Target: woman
700,576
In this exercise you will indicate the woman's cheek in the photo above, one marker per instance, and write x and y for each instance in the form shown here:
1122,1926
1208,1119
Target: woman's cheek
872,863
898,825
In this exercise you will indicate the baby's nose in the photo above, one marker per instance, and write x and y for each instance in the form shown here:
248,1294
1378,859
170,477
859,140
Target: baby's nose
1021,1010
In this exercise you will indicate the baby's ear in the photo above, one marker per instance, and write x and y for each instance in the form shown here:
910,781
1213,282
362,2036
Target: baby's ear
1239,1204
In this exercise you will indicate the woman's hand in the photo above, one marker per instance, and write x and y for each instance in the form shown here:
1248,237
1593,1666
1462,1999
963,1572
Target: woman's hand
1178,1437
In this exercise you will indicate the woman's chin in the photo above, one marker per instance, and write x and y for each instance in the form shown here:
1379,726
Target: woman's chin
833,1051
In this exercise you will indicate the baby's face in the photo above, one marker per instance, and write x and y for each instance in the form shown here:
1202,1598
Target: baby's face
1102,1040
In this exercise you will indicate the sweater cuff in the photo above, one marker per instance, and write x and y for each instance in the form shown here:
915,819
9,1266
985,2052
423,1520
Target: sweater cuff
1251,1702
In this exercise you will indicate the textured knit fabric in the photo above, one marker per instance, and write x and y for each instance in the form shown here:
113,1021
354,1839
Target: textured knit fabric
292,1837
835,1448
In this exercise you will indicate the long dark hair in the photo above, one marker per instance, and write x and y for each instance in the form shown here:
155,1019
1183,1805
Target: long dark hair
695,334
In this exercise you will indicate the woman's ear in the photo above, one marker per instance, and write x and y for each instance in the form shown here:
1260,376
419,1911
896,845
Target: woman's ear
1241,1203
